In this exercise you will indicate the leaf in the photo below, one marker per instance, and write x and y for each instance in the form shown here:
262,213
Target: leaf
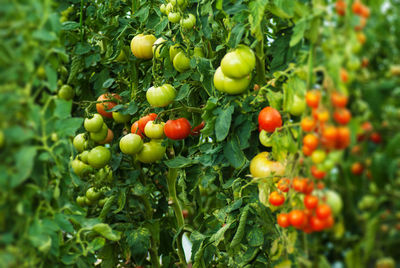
161,26
183,92
70,25
257,10
108,83
106,231
233,153
298,32
24,159
62,109
51,77
68,126
82,48
138,240
223,123
236,35
63,223
219,235
180,162
44,35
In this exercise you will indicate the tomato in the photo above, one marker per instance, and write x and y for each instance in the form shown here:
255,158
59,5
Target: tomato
318,156
309,187
92,194
198,52
269,119
120,117
229,85
80,168
306,150
329,222
361,37
317,224
329,137
66,92
93,124
262,167
297,218
181,62
174,17
343,137
357,7
144,120
283,220
196,130
387,262
151,152
84,156
342,116
367,127
376,137
328,165
338,100
323,115
121,56
365,12
276,199
316,173
107,104
323,211
310,201
161,96
239,62
136,130
365,62
334,200
297,106
156,48
142,46
177,129
163,9
265,140
308,124
81,200
153,130
100,135
283,185
173,51
340,7
189,22
299,184
344,75
99,156
169,8
357,168
131,144
312,98
80,143
109,137
311,141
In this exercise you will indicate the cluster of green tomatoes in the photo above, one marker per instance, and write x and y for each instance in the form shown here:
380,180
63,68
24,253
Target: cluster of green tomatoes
174,9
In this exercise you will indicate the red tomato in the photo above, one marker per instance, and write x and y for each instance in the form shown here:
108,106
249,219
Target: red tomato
196,130
283,185
376,138
269,119
177,129
310,201
145,119
307,151
299,184
357,7
276,199
312,98
339,100
323,211
311,141
344,76
365,12
308,124
343,137
106,105
329,222
318,174
283,220
309,187
342,116
357,168
367,127
329,136
320,185
136,130
317,224
297,218
340,7
109,138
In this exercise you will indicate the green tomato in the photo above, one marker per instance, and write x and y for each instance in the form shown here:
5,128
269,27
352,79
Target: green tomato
328,165
142,46
161,96
152,151
264,139
41,72
354,64
181,62
173,50
230,85
80,143
318,156
121,118
169,8
157,47
66,92
189,22
84,156
103,201
121,56
239,62
198,52
100,135
1,139
93,124
81,200
99,157
131,144
367,202
92,194
334,200
174,17
80,168
153,130
298,106
163,9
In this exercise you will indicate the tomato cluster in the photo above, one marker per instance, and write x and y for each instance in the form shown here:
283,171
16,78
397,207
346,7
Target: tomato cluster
174,9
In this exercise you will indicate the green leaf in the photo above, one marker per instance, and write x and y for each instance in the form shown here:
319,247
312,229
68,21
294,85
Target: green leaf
298,32
62,109
180,162
24,161
68,126
219,235
236,35
106,231
255,238
51,77
63,223
139,240
233,153
70,25
183,92
82,48
223,123
257,12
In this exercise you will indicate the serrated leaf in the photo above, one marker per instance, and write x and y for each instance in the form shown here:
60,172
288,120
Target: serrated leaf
236,35
106,231
223,123
233,153
298,32
24,160
257,10
255,237
180,162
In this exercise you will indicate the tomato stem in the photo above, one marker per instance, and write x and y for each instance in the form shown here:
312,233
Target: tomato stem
260,63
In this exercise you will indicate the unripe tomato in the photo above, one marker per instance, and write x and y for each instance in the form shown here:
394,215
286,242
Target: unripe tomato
66,92
109,137
308,124
142,122
297,218
316,173
318,156
317,224
142,46
161,96
81,200
99,156
262,167
283,185
163,9
80,168
357,168
312,98
80,143
338,100
131,144
136,130
156,48
334,200
174,17
92,194
323,211
177,129
283,220
120,117
151,152
181,62
342,116
310,201
297,106
169,8
100,135
229,85
188,22
173,51
264,139
239,62
276,199
311,141
269,119
93,124
106,104
153,130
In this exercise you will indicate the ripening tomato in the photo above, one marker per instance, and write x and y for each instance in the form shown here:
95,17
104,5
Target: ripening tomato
311,141
310,201
312,98
196,130
100,135
109,137
361,37
342,116
317,224
239,62
329,137
136,130
151,152
283,185
357,168
131,144
188,22
298,106
230,85
181,62
107,104
357,7
142,122
297,218
309,187
343,137
344,75
338,100
316,173
262,167
318,156
177,129
306,150
120,117
99,156
361,26
323,211
365,12
269,119
276,199
308,124
161,96
376,138
142,46
299,184
323,115
340,7
154,130
283,220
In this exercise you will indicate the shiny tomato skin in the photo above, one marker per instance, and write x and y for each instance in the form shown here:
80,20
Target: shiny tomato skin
298,106
181,62
269,119
230,85
311,141
196,130
106,105
80,168
174,17
136,130
262,167
316,173
109,137
173,51
99,156
323,211
161,96
318,156
299,184
310,201
100,135
142,122
317,224
307,151
239,62
312,98
343,137
131,144
142,46
276,199
154,130
283,220
338,100
297,218
342,116
80,143
177,129
188,22
308,124
151,152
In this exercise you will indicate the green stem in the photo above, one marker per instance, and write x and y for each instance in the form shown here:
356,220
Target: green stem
171,180
134,81
260,63
310,67
81,21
